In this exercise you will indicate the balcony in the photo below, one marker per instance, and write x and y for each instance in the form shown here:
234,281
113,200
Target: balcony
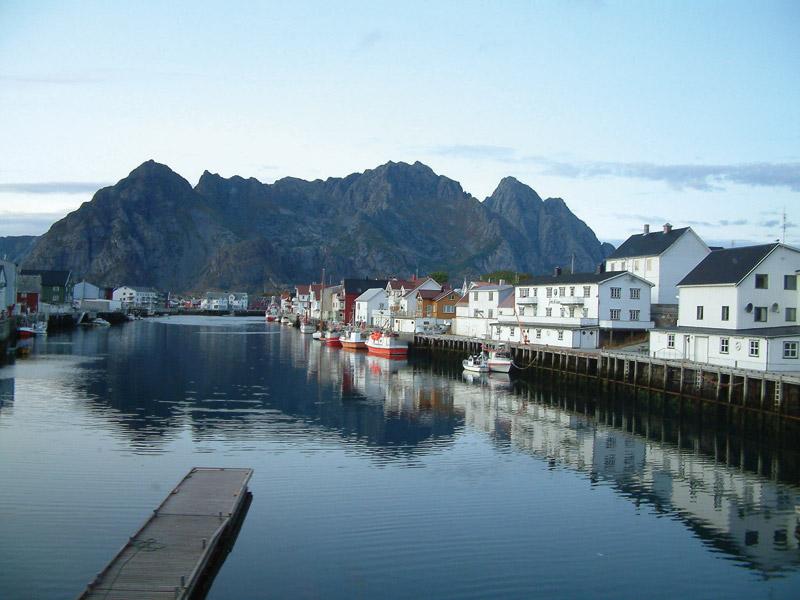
567,300
527,300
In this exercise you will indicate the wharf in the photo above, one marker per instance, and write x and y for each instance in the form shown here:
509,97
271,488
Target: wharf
169,556
774,394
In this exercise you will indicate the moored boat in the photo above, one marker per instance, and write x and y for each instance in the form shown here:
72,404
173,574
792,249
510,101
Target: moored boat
386,344
476,363
353,339
498,358
332,338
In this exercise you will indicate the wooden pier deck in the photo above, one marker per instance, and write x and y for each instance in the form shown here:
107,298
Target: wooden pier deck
167,557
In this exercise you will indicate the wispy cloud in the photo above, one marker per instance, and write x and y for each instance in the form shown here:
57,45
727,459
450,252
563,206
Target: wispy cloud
697,177
368,41
21,223
679,176
52,187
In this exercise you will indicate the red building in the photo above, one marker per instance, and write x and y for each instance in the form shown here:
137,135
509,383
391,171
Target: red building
353,288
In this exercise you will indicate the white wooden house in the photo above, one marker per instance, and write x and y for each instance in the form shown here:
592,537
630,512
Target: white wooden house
370,308
738,308
480,307
302,304
135,297
580,310
661,257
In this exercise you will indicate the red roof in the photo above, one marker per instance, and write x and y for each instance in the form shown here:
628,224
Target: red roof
428,294
316,287
443,294
302,289
464,299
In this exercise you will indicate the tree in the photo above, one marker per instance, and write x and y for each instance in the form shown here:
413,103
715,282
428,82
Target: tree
439,276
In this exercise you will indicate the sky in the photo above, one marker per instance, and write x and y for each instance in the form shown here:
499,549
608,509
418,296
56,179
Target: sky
632,112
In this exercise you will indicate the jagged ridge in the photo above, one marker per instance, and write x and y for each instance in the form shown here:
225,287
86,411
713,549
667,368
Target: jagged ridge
154,228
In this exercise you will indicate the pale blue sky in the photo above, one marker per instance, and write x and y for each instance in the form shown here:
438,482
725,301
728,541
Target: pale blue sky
632,112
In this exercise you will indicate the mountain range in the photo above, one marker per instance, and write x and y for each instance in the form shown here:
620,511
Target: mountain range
153,228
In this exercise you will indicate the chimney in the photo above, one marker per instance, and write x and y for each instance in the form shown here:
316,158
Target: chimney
557,272
667,227
646,228
601,268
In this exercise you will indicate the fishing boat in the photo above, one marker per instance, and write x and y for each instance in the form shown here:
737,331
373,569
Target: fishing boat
353,339
498,358
306,327
36,328
388,344
285,320
476,363
331,338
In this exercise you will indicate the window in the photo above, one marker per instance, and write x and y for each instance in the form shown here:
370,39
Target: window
790,282
613,267
491,313
521,311
523,292
560,334
572,291
429,310
548,312
726,313
671,340
476,313
572,311
535,292
635,293
538,334
760,314
491,296
699,313
587,290
475,296
762,281
791,314
634,315
724,345
636,265
754,344
449,309
562,291
649,264
789,349
511,331
585,313
563,312
549,292
615,314
616,292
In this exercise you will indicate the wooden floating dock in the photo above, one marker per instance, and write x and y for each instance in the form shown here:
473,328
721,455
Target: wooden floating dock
168,557
775,394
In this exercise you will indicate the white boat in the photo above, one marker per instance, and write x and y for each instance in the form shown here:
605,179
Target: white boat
317,335
101,322
306,327
476,363
498,358
353,339
285,320
386,344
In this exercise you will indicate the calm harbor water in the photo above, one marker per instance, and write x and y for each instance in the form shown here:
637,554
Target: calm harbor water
381,479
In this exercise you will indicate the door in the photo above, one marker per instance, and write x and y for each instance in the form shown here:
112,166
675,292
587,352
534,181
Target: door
701,348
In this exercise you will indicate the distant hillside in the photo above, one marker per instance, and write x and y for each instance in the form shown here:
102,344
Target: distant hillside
16,247
154,228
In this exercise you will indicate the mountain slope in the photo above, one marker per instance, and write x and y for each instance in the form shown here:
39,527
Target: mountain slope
153,228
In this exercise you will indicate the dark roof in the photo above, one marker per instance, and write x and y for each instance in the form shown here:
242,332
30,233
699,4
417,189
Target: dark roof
427,294
764,332
573,278
647,244
359,286
727,266
49,278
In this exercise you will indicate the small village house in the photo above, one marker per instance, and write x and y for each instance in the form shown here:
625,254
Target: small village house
370,308
56,286
480,307
577,310
661,257
136,297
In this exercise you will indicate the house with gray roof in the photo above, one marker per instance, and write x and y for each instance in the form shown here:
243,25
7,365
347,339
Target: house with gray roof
576,310
737,308
661,257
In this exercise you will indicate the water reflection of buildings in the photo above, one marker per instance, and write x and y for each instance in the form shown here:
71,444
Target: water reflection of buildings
750,517
6,391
